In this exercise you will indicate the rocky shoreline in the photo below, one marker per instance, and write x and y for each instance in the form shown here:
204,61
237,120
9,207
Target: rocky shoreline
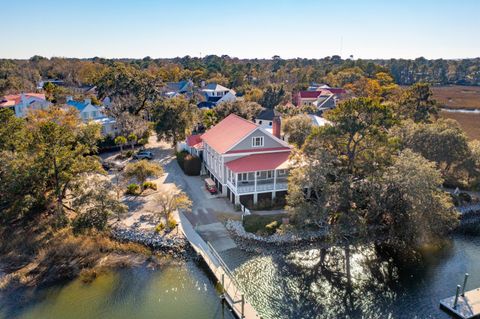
286,242
175,246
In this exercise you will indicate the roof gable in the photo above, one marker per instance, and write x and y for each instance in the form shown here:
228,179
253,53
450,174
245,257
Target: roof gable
230,131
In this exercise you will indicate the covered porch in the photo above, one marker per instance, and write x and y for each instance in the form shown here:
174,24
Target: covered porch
257,181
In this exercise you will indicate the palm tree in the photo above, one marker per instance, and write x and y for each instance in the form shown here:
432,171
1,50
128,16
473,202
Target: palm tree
120,140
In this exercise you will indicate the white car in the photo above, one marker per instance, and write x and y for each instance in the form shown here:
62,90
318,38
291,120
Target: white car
143,155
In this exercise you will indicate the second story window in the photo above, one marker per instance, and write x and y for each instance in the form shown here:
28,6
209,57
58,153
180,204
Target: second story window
257,141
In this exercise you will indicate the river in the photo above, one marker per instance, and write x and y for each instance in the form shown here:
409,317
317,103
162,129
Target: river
173,290
302,284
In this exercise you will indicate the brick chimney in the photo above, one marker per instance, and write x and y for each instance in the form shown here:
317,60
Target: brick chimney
276,126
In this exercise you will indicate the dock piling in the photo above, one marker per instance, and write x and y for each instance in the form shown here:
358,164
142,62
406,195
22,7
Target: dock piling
456,297
464,284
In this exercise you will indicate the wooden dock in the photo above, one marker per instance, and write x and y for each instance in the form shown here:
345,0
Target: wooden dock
231,292
467,307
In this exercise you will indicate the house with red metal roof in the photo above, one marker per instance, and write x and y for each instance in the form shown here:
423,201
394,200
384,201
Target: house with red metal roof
321,97
21,103
247,163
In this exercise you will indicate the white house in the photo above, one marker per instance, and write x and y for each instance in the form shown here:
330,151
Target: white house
247,163
90,112
215,94
22,103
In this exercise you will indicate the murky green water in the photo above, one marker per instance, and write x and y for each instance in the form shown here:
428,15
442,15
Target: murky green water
173,291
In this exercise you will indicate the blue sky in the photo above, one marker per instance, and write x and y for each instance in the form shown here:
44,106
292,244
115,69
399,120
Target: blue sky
241,28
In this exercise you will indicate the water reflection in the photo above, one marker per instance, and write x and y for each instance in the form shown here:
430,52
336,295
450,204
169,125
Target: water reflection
313,283
174,290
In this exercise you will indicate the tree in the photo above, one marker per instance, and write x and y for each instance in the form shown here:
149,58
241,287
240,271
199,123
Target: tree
174,118
272,97
62,147
142,170
130,89
358,136
209,118
247,110
94,201
442,141
132,138
297,128
417,103
120,141
407,207
168,202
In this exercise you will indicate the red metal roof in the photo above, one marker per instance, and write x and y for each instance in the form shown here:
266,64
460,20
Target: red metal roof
314,94
193,140
258,162
228,132
258,150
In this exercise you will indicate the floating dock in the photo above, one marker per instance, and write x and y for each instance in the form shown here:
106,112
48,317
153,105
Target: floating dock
465,305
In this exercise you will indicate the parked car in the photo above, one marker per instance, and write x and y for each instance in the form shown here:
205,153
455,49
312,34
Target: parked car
210,186
113,165
143,155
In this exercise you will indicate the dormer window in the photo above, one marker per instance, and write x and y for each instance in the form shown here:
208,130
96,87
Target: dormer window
257,141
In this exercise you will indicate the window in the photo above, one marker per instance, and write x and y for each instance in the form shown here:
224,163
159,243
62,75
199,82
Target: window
269,174
259,122
243,177
257,141
282,172
270,123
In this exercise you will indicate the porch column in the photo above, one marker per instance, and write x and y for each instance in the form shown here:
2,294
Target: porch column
236,180
255,179
255,198
237,200
274,180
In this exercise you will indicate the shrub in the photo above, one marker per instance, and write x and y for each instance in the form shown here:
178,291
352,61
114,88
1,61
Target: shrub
160,227
272,227
128,153
181,157
171,222
192,165
91,220
150,185
259,223
133,189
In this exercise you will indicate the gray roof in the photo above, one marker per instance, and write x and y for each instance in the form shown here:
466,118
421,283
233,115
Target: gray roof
267,114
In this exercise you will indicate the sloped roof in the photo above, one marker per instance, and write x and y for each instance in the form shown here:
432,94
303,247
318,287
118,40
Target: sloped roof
313,94
267,114
336,90
228,132
259,162
215,87
77,104
318,121
193,140
14,99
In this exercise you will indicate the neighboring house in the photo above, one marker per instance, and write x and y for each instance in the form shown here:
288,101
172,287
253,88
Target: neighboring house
22,103
215,94
90,112
57,82
318,120
266,118
321,99
173,89
247,163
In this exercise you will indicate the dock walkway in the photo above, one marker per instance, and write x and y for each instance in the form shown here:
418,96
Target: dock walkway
231,292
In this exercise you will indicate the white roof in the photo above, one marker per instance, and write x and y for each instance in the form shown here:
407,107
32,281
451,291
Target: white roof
318,121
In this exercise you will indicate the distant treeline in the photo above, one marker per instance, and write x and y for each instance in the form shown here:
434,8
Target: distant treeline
240,74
